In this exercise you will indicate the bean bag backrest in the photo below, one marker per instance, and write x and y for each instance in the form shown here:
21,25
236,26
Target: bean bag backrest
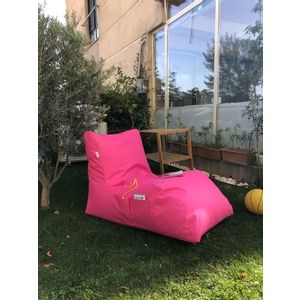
116,158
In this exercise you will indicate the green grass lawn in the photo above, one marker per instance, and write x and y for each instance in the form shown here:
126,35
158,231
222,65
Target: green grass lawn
91,258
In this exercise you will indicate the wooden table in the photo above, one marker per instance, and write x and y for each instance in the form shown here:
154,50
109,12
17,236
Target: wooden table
164,157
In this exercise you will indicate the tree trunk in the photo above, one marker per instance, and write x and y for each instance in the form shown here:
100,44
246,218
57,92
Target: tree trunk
45,197
132,121
47,183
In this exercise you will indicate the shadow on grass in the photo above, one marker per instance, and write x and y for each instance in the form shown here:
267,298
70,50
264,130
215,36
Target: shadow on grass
96,259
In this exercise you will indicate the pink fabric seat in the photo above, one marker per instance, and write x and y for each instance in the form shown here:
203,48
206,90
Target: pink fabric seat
123,189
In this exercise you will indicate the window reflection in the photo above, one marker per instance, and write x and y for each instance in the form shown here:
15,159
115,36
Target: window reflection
191,53
159,68
188,72
241,50
175,6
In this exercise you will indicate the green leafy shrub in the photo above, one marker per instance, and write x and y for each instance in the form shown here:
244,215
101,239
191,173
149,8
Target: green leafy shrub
238,137
207,139
254,113
128,109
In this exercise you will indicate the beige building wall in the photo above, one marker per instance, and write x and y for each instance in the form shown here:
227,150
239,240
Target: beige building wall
80,9
122,26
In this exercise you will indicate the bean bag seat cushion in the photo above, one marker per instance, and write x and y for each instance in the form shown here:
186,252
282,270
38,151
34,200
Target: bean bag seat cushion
123,189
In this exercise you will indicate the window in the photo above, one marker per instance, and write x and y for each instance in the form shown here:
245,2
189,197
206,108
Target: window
159,68
92,19
189,57
176,6
188,39
241,50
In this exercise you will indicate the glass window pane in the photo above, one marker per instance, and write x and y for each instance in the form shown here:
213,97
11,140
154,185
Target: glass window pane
91,4
92,21
175,6
159,68
191,56
241,49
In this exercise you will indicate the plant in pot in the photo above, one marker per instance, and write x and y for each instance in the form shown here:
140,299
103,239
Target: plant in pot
182,141
178,143
207,148
254,113
102,114
243,155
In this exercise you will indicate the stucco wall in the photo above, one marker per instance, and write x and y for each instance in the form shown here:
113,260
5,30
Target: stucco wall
79,7
122,23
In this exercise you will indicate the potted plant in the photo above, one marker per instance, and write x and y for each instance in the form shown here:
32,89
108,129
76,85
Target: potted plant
179,143
102,114
205,148
238,155
254,113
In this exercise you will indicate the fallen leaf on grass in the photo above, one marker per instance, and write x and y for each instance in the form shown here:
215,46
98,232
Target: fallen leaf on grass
244,274
49,253
46,266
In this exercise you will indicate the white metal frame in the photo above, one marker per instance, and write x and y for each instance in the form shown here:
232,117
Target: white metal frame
216,66
216,58
184,11
167,100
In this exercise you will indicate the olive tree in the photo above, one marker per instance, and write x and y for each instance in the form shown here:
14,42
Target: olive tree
69,94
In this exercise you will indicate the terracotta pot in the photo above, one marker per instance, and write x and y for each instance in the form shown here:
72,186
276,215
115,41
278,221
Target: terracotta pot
205,152
238,156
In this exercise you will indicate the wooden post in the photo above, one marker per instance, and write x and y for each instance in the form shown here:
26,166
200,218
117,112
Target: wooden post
163,143
160,153
189,146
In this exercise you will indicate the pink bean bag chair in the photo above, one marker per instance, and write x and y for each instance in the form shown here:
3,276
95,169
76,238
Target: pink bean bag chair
123,189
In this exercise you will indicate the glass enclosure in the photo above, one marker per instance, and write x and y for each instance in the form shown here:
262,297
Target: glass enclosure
160,68
188,39
175,6
241,50
191,50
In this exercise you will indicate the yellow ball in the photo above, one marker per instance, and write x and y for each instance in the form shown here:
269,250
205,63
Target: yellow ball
254,201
